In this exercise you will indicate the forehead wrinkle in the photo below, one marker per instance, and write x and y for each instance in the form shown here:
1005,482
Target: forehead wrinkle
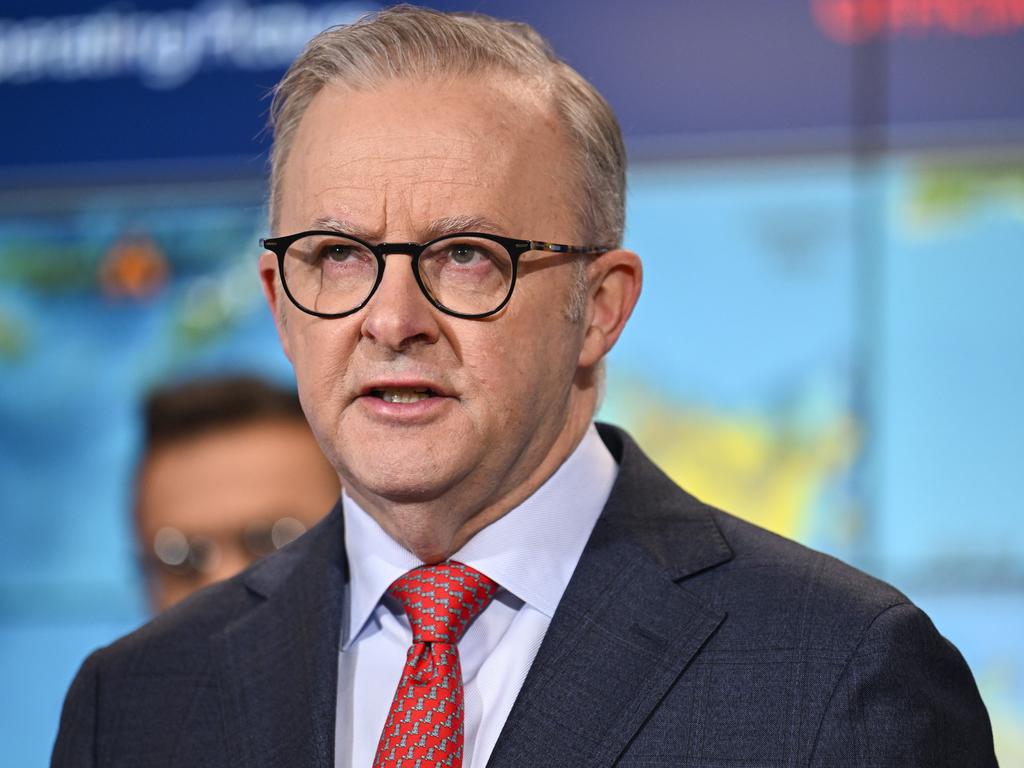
384,147
438,192
445,159
376,175
382,143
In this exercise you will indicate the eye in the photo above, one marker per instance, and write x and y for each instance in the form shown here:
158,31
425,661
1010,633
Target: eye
464,254
338,252
462,257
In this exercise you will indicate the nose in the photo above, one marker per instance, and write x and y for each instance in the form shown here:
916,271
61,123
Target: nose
398,314
230,561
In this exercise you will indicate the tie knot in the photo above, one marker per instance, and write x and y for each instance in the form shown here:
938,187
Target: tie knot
441,600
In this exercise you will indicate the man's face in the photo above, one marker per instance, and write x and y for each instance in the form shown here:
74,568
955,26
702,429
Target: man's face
399,164
223,492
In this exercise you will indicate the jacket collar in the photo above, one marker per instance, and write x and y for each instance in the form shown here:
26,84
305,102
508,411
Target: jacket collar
675,530
626,628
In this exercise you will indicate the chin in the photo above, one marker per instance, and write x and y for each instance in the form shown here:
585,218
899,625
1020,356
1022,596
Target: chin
405,493
409,483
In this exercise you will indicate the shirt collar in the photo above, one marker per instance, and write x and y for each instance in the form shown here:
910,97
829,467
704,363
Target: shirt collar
531,551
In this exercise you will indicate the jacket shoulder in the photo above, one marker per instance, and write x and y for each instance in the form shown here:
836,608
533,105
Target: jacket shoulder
144,690
748,572
769,567
187,626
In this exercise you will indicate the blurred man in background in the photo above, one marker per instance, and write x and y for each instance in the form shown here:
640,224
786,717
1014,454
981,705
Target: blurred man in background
230,472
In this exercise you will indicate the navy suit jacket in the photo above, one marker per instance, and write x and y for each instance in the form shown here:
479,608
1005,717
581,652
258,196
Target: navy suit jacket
686,637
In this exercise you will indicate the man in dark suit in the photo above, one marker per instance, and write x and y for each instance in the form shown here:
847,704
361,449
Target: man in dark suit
501,583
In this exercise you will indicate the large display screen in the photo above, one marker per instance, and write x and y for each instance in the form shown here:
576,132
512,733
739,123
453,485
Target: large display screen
828,199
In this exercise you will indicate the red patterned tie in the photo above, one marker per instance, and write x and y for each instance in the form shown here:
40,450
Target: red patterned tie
424,727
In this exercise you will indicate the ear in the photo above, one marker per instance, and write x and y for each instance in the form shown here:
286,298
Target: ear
615,280
275,297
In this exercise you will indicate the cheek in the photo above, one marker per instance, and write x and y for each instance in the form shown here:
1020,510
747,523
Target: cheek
498,371
513,370
320,354
489,362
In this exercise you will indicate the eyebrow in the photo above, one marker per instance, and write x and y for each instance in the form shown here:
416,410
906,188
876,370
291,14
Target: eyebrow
339,225
446,225
451,224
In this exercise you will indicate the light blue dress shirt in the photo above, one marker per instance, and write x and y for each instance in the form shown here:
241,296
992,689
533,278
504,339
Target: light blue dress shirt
531,553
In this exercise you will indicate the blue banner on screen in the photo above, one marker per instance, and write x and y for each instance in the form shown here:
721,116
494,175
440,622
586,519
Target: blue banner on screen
160,83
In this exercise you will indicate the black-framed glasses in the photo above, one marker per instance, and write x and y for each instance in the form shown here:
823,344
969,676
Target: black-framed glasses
468,274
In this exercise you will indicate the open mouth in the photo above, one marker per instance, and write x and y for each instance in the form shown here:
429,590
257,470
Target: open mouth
402,395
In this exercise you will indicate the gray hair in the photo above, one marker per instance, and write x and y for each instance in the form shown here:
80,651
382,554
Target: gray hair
407,41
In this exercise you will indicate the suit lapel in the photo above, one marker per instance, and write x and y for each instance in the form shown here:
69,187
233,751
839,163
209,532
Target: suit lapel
624,631
280,660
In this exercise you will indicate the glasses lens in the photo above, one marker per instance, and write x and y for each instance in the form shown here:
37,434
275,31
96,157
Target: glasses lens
329,274
171,549
468,275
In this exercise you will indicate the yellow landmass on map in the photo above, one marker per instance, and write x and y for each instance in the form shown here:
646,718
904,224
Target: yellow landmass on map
757,468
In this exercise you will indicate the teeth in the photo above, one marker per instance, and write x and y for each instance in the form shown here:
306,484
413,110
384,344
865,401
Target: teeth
404,395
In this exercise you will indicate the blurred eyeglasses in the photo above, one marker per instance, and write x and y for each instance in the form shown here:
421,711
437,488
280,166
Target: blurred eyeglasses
470,274
175,553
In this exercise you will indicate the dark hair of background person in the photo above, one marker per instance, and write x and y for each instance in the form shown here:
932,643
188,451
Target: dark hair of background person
180,411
